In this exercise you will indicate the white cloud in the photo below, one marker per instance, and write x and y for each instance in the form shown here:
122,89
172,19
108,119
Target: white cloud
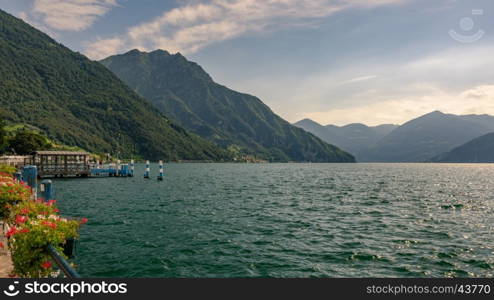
102,47
358,79
67,15
195,25
26,18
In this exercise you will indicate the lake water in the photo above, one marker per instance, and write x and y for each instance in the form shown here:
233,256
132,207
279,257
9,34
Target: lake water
286,220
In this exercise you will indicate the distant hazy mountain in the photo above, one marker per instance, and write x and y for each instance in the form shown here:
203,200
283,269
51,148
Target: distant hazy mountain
183,91
79,102
479,150
415,141
429,135
384,129
354,138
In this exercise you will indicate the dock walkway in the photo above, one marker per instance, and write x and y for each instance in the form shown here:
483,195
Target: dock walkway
5,260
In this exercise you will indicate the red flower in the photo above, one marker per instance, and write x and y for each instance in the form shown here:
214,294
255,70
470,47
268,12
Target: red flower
51,202
1,245
56,210
23,230
25,211
49,224
11,231
83,220
20,219
46,264
44,213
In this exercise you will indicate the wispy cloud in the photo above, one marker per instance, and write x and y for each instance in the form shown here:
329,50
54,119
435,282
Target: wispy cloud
453,80
67,15
193,26
26,17
358,79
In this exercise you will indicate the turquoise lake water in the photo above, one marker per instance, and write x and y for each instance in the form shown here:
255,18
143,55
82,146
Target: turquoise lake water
286,220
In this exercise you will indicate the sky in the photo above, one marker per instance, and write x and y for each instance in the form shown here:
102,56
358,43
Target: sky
333,61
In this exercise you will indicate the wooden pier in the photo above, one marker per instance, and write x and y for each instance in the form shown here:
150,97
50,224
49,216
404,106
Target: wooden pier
60,163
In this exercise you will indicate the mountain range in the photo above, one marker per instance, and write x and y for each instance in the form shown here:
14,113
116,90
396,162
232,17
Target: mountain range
78,102
159,105
478,150
242,123
355,138
417,140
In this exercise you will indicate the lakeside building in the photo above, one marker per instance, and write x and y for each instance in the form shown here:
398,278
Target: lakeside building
13,160
60,163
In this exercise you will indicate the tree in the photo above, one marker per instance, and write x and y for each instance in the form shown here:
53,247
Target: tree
3,137
25,142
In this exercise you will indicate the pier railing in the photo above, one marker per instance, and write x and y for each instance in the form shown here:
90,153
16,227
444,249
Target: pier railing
62,263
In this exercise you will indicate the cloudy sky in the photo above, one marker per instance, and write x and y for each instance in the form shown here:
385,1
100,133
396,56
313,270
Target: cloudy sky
334,61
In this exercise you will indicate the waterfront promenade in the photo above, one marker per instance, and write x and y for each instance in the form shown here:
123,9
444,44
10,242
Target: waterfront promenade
5,261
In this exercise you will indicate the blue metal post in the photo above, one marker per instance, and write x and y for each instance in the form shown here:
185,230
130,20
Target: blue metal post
47,189
131,174
18,176
118,168
124,170
30,175
146,173
160,176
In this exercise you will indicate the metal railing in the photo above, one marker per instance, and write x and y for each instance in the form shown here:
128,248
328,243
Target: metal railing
62,263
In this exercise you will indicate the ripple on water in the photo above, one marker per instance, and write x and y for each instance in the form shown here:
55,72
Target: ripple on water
287,220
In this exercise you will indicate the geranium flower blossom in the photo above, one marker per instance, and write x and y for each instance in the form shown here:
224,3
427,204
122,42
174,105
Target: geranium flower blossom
46,264
12,231
20,219
49,224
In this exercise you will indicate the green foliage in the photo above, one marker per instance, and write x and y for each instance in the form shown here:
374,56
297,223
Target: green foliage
3,136
183,91
7,169
25,142
80,103
11,192
13,129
